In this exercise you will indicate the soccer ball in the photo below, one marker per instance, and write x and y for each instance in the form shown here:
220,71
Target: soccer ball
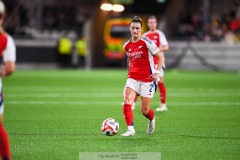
110,127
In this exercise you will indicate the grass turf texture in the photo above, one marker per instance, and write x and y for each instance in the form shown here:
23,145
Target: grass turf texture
57,114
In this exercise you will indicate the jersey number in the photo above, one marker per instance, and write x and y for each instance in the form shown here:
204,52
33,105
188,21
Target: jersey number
151,87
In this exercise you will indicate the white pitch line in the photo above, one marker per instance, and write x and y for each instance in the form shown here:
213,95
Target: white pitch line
107,95
119,103
62,88
64,95
50,88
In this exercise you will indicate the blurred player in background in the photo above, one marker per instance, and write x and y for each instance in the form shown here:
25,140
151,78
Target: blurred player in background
142,75
8,54
160,40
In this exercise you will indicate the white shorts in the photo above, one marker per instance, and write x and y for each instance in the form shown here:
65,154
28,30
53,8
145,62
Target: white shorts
1,101
144,89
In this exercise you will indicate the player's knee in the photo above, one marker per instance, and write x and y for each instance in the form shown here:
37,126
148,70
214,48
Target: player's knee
161,80
128,99
144,110
129,96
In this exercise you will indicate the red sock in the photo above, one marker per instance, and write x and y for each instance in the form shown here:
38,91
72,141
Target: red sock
162,92
4,144
136,98
150,114
128,114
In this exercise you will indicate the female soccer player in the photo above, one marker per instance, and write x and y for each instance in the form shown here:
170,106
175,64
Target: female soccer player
142,75
8,53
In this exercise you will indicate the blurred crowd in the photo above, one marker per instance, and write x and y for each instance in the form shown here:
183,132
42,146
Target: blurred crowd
17,20
58,17
19,23
224,26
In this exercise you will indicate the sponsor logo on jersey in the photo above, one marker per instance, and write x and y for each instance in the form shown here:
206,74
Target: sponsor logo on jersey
135,55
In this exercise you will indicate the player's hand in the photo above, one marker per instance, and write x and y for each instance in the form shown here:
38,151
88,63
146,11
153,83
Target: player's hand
154,76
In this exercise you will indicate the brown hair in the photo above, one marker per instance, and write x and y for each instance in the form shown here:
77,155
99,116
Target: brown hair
137,19
152,17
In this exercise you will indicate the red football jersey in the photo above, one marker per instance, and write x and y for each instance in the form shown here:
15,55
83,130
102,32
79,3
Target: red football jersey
158,38
140,55
7,48
3,43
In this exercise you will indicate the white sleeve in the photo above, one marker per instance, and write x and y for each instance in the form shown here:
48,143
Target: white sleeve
152,47
163,39
9,54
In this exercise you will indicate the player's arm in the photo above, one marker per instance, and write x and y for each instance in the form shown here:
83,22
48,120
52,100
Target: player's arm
164,43
156,73
164,48
7,69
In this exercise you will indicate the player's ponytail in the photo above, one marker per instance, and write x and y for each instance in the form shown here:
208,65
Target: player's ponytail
137,19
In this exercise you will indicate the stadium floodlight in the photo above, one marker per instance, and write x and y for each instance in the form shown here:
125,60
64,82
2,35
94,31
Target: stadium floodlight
112,7
118,8
106,6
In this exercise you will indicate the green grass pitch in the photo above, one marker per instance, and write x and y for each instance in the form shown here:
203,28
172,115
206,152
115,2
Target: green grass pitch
55,115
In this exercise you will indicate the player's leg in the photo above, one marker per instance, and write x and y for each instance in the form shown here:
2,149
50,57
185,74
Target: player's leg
129,96
162,93
4,140
148,113
147,92
135,101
